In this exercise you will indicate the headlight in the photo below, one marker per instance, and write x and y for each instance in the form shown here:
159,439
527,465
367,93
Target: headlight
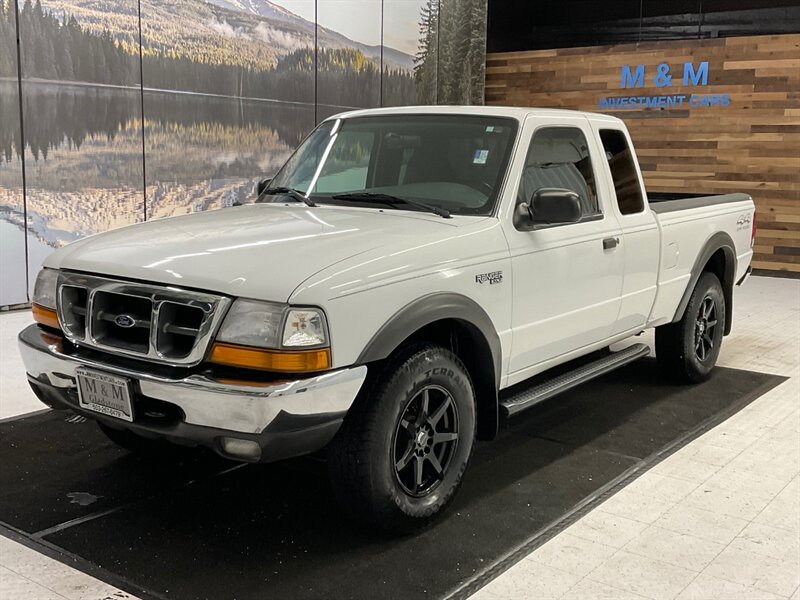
272,337
253,323
268,325
44,292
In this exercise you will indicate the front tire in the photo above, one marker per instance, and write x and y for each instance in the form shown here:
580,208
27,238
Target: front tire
687,351
401,453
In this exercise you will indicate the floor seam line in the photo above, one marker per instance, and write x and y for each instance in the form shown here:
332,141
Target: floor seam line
542,533
753,520
78,563
33,413
615,587
41,534
37,583
684,588
669,564
629,457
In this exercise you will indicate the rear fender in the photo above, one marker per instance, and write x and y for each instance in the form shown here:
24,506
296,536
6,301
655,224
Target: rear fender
718,241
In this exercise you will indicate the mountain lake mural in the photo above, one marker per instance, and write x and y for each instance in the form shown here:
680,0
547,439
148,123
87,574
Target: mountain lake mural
139,110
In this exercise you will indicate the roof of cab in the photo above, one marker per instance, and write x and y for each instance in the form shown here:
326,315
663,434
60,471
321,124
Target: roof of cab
516,112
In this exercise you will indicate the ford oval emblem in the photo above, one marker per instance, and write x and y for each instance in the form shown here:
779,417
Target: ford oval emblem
125,321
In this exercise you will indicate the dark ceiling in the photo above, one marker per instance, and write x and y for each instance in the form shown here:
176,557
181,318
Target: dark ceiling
538,24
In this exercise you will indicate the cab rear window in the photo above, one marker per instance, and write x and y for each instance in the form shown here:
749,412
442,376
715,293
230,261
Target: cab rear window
623,171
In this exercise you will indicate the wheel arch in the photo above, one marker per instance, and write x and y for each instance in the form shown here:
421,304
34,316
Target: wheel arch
460,324
717,256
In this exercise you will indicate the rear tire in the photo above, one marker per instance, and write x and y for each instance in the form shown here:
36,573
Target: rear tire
401,453
687,351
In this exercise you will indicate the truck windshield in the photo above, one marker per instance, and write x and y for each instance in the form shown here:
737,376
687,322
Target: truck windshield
452,162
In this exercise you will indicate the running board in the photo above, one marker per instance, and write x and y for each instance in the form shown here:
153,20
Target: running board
543,391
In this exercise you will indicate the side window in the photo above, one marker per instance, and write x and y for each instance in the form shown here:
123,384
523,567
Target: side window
558,157
623,171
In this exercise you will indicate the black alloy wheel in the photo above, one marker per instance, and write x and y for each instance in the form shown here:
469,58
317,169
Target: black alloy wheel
425,440
705,324
687,350
401,453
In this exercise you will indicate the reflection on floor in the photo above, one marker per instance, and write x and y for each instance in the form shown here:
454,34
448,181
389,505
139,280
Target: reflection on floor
717,519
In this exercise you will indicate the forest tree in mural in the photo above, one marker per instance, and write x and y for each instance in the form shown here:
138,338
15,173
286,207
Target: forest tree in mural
450,64
426,60
8,37
9,110
63,50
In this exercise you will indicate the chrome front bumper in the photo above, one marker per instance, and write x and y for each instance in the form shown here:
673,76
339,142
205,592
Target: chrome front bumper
285,419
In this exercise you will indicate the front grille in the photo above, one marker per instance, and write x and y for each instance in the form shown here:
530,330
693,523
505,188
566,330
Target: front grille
108,307
156,323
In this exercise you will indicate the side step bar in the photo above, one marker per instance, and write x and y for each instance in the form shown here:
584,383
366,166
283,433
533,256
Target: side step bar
543,391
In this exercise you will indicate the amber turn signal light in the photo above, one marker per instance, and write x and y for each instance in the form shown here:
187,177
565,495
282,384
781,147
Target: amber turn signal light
45,316
247,357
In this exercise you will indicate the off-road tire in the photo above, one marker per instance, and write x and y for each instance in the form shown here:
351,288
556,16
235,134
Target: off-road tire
677,345
362,457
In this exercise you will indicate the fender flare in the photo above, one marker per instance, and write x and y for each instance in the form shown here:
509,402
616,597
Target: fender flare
437,307
424,311
719,241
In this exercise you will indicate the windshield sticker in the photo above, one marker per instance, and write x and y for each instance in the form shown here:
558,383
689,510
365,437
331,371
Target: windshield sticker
480,157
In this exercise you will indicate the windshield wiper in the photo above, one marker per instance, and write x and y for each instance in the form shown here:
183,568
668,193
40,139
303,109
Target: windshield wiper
391,200
296,194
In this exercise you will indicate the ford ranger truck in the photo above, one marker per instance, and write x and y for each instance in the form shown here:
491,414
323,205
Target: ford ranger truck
390,284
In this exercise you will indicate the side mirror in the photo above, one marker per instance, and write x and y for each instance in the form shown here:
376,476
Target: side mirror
554,206
262,185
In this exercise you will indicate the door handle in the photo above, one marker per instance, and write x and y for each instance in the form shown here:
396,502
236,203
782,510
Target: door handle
610,243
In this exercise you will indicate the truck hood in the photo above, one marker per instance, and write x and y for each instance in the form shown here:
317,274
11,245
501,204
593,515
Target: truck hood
259,251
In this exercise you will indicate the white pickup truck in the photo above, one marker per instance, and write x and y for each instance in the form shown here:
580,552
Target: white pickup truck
402,270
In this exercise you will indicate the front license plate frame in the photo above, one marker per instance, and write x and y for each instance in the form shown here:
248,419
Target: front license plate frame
105,394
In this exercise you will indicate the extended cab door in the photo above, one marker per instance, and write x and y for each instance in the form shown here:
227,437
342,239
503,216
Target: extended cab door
640,244
567,279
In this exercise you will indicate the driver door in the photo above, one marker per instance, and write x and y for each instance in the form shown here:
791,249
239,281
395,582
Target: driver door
568,278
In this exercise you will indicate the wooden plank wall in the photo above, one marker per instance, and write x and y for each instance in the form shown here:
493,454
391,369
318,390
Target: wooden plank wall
752,146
